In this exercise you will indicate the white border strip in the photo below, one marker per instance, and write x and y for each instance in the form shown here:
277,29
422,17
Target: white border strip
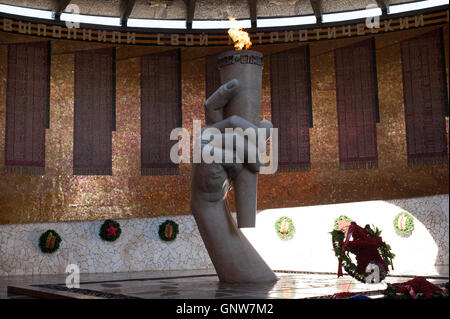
221,24
418,5
156,23
81,18
27,12
281,22
351,15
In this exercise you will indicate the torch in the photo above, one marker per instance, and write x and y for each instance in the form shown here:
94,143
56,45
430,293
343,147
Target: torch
246,66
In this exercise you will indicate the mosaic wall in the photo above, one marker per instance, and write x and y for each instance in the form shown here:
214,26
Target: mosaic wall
60,196
139,247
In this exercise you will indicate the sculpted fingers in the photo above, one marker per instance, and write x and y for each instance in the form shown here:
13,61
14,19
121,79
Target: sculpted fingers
216,102
230,148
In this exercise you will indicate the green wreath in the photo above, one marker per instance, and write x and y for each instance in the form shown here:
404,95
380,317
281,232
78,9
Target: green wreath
404,224
342,222
110,230
285,228
384,250
168,230
49,241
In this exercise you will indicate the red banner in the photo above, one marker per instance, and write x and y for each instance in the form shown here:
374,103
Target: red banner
291,107
27,99
356,105
93,118
425,93
160,111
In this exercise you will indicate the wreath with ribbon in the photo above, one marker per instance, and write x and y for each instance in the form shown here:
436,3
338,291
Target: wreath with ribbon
168,230
285,227
110,230
404,224
49,241
369,249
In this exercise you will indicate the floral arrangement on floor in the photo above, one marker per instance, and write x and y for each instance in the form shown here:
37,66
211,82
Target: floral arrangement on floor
168,230
49,241
110,230
404,224
285,228
369,249
417,288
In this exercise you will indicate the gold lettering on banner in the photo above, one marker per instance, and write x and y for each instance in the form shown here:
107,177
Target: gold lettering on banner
72,31
347,30
418,21
303,35
42,30
87,34
24,27
131,37
317,34
404,23
260,36
7,25
174,39
203,39
101,36
158,39
288,36
116,37
189,40
332,33
387,25
360,29
274,37
56,31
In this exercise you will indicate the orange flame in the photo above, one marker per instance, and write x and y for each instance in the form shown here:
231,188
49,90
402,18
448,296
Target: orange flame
240,38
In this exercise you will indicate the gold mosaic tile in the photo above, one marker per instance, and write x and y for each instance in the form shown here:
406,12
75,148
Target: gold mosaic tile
60,196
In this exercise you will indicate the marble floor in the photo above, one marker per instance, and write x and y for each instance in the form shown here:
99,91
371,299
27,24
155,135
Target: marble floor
192,284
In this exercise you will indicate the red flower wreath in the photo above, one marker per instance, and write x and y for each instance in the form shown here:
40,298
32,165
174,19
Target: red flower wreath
110,230
368,248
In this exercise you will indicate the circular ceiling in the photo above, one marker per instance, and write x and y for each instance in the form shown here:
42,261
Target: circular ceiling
191,13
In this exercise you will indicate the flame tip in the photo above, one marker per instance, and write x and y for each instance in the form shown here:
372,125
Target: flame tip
240,38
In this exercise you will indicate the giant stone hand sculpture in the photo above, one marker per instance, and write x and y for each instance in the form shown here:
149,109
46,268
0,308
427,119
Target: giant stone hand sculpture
234,258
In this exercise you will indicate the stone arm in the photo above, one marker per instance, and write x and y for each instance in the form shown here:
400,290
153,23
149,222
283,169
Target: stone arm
234,258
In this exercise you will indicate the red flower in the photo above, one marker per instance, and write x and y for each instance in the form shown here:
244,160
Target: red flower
111,231
418,285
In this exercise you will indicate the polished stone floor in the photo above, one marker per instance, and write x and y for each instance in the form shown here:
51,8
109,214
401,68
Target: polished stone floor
192,284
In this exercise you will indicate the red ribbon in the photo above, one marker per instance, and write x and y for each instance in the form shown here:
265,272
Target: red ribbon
344,246
50,243
169,231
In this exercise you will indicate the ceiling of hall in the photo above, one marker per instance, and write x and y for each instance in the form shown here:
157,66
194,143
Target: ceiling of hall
203,9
